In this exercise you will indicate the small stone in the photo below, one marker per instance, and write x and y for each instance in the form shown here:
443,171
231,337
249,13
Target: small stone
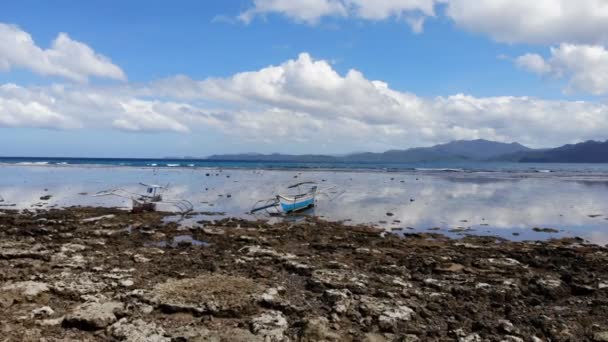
27,289
271,325
44,311
601,336
138,258
137,331
510,338
317,329
50,322
470,338
93,316
389,318
126,283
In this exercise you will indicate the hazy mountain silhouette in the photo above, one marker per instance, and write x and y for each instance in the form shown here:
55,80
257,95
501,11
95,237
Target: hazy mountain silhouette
461,150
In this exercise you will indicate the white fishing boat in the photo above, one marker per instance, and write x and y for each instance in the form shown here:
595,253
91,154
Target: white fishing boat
148,201
303,199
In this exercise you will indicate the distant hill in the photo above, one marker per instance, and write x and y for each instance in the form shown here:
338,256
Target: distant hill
461,150
585,152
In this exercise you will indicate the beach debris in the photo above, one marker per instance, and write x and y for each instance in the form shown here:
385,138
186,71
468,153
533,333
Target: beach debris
149,200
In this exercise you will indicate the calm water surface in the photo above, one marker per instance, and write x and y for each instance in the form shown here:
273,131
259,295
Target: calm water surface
507,204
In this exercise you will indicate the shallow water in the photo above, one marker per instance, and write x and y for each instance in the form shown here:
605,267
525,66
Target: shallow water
494,203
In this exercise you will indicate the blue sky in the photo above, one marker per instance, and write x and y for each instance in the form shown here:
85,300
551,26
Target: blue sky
135,78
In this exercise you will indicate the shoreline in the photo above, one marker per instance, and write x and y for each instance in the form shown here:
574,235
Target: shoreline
103,273
438,172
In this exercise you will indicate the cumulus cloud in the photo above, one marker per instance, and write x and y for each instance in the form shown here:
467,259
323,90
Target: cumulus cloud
514,21
585,66
537,22
65,58
300,101
311,11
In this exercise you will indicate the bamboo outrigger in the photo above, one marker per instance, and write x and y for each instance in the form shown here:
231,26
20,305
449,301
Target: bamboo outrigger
149,200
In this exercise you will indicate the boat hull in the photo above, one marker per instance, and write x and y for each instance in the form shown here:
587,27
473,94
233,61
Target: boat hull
290,205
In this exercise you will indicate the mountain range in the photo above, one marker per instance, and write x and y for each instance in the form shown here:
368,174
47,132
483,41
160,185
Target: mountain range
461,150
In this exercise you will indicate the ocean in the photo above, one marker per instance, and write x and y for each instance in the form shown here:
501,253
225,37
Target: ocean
469,166
512,201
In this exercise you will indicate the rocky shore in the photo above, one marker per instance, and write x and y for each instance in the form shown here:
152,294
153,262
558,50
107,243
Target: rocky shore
95,274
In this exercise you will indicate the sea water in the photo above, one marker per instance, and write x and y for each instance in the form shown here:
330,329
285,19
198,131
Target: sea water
453,201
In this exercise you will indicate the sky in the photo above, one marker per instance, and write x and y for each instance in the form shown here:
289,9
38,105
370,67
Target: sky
194,78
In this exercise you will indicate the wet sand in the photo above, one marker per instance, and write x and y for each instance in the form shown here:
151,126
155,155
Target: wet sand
102,274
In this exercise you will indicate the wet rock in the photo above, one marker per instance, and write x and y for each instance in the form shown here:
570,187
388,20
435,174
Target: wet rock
11,250
50,322
338,279
202,334
374,337
503,262
126,283
389,314
72,248
510,338
271,325
27,290
93,316
140,259
317,329
42,312
298,267
470,338
45,197
450,268
77,284
257,251
340,300
581,290
545,230
213,231
97,218
393,316
137,331
507,326
214,293
548,286
601,336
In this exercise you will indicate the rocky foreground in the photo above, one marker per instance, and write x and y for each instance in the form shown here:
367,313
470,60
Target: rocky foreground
103,274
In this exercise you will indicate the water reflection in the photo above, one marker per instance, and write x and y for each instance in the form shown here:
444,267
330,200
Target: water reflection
481,204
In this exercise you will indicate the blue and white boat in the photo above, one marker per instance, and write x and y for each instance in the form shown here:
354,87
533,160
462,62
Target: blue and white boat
286,204
298,202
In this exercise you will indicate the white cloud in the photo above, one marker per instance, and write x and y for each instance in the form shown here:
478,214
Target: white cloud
382,9
65,58
300,102
534,63
585,66
15,111
538,21
511,21
311,11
